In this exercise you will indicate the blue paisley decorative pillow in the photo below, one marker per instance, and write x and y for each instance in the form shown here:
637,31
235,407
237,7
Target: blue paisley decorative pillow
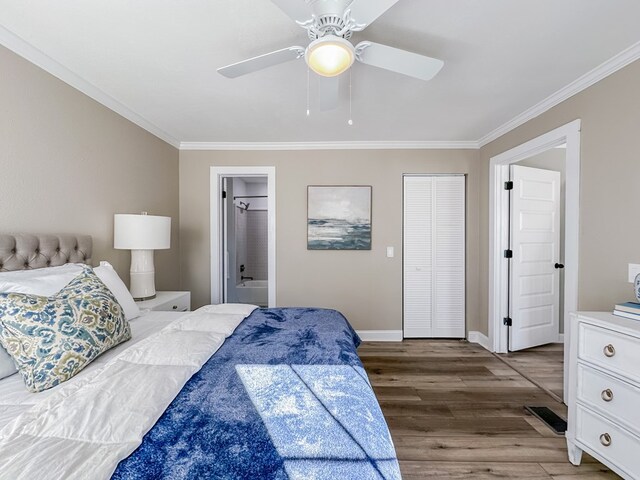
51,339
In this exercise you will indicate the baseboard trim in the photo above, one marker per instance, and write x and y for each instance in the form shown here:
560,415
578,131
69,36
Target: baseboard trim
560,338
380,335
479,338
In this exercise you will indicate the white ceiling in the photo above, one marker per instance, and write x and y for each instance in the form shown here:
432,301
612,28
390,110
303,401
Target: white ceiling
159,59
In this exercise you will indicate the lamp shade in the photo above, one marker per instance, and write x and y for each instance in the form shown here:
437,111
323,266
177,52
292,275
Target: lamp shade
141,232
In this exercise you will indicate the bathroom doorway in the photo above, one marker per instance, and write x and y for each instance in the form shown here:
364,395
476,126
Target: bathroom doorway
243,235
246,238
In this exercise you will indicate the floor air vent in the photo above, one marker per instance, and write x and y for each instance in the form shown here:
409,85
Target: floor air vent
550,418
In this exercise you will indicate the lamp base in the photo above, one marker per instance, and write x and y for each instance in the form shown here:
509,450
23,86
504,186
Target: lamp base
143,285
142,299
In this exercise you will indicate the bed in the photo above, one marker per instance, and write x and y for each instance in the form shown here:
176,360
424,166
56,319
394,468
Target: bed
228,391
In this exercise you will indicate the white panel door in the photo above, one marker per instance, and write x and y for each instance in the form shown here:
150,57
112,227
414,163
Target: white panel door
434,256
534,295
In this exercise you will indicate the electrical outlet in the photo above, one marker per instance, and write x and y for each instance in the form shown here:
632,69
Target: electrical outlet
390,252
634,270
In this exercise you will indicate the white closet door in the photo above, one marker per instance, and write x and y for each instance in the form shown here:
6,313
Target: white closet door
417,253
434,256
449,257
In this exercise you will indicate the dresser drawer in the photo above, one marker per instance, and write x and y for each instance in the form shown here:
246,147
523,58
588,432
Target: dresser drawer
594,431
615,399
610,350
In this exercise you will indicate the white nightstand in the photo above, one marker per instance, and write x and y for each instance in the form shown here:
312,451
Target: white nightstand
168,302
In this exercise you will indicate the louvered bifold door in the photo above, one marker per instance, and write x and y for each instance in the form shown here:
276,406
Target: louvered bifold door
418,221
448,257
434,260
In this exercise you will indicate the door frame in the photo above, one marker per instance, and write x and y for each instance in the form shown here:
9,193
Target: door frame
499,225
217,217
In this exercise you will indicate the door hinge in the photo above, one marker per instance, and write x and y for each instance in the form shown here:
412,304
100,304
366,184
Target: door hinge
224,194
507,321
508,254
508,185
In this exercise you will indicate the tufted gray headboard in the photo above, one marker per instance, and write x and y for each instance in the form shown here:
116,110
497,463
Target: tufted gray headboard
25,251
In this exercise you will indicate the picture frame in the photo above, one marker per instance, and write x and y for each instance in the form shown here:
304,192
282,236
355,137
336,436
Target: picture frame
339,217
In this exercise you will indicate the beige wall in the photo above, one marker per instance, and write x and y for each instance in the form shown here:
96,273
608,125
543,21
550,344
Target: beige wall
610,183
67,164
365,285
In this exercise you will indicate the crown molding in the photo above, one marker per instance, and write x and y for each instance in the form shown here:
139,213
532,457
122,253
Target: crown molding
602,71
390,145
23,48
37,57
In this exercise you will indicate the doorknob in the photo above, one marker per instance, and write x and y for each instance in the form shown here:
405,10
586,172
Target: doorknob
559,265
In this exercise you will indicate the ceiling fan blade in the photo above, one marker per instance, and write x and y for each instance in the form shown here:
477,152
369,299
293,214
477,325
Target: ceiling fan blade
328,93
400,61
367,11
298,10
262,61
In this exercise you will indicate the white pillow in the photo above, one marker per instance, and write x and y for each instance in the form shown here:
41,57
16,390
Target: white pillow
110,278
7,367
40,281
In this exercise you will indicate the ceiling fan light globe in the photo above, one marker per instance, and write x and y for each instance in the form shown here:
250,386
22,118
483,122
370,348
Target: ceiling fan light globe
330,55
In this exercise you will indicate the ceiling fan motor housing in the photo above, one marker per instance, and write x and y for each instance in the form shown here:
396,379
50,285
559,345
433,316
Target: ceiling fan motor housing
330,17
329,25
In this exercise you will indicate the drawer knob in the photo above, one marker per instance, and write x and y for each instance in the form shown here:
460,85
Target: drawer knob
175,307
609,351
607,395
605,439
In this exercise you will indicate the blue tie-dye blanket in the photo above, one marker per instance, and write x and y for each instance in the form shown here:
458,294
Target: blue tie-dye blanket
286,396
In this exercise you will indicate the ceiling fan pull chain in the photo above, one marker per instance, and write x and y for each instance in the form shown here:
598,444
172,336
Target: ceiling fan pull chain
350,121
308,109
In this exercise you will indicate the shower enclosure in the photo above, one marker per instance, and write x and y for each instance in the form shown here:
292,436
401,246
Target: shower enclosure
246,240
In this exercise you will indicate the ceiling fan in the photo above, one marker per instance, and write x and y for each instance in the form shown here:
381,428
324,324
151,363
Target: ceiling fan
329,25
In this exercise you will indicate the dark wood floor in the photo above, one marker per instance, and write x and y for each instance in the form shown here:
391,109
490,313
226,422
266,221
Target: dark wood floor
456,411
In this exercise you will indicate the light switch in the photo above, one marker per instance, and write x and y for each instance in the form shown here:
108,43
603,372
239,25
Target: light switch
390,252
634,269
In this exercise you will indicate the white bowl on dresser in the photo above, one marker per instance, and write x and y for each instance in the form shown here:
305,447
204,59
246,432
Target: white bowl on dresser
604,391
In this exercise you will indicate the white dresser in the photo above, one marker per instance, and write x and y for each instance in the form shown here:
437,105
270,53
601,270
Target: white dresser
604,391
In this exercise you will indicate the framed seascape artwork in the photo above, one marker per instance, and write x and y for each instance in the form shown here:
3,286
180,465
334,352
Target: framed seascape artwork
338,217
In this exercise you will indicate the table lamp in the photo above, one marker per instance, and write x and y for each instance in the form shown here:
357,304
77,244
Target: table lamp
142,234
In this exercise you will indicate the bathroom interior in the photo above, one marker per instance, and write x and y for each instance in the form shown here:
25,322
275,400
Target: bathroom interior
246,240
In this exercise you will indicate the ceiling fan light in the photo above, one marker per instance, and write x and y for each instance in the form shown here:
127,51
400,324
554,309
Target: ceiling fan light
330,55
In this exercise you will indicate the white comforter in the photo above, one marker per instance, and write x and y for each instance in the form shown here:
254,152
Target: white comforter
86,427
